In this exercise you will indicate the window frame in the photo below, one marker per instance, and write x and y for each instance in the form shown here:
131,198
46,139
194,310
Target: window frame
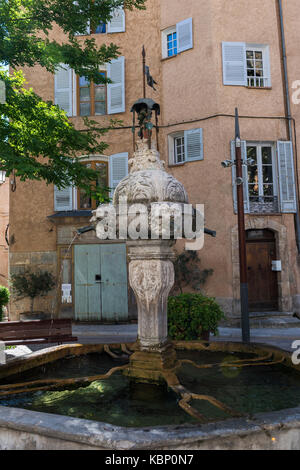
93,163
165,34
172,148
276,190
92,100
264,49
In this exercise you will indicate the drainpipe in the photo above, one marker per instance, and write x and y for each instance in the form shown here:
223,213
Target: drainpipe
288,115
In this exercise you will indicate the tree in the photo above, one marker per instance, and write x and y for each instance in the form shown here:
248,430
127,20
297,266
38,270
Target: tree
38,142
32,284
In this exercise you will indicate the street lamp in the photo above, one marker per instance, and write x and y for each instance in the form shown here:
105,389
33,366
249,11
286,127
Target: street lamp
241,228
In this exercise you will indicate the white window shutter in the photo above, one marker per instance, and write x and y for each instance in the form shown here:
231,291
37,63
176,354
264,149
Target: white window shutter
63,88
63,200
118,169
245,177
286,172
193,144
116,89
234,63
117,23
184,31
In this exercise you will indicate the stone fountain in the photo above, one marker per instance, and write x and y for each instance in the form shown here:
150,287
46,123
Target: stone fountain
151,269
149,189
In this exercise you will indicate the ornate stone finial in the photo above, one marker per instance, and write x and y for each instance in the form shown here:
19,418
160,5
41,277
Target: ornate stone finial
145,158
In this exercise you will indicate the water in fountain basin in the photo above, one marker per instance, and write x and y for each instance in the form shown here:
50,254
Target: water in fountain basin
118,401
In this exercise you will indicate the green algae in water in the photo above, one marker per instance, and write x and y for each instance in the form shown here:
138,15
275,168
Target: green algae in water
120,402
115,401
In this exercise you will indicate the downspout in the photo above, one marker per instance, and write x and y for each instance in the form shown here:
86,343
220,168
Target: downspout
288,115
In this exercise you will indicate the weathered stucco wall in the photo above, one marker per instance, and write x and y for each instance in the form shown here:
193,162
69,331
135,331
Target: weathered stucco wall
191,88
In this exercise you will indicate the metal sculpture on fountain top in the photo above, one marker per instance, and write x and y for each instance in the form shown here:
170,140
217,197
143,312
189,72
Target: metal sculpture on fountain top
144,108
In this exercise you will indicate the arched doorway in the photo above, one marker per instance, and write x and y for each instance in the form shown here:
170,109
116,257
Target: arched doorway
262,280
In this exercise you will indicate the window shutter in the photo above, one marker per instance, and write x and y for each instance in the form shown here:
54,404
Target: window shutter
117,23
193,144
184,31
118,169
234,63
63,200
286,177
63,88
245,177
116,89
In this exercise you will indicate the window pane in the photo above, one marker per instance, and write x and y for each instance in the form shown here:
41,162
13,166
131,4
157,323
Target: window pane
266,155
267,174
258,55
249,54
268,190
85,109
84,94
253,190
85,201
100,94
83,81
100,108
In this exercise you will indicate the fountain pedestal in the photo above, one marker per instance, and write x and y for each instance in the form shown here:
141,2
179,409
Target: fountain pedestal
151,276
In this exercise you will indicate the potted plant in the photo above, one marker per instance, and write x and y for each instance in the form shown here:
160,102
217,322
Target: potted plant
4,299
32,284
193,317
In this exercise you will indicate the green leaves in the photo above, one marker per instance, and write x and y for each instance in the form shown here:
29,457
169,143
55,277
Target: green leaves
190,315
40,143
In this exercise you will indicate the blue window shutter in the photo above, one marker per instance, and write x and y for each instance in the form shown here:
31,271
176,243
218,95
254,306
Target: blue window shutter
288,201
245,177
193,145
63,199
234,63
117,22
116,89
184,31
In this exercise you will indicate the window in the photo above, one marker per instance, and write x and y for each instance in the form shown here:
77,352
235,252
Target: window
172,44
185,146
85,202
262,178
115,25
269,183
77,97
179,156
177,39
257,75
246,65
110,171
91,97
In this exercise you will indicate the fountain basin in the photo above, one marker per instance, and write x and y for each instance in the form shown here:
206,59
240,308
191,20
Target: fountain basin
26,429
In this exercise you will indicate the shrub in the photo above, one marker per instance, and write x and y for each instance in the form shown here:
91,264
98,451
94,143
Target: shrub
32,284
4,299
190,315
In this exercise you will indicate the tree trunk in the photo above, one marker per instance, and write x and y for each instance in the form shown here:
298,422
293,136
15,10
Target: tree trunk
31,304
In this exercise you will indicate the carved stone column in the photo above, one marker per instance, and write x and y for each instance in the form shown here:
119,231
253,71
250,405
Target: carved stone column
151,276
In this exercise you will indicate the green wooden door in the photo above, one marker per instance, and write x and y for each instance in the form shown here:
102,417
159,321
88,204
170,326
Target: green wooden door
114,282
100,283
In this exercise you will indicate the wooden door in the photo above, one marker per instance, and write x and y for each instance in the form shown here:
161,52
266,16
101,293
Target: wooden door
114,282
262,281
100,278
87,290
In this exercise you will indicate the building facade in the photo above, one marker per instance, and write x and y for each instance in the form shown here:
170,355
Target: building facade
207,61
